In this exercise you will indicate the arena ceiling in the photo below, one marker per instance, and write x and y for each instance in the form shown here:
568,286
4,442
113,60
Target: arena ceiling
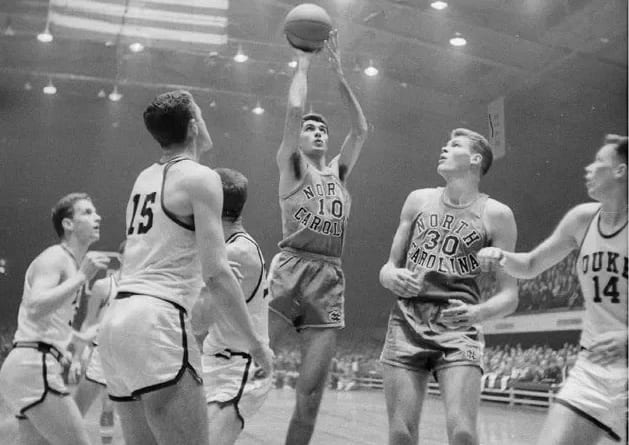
560,50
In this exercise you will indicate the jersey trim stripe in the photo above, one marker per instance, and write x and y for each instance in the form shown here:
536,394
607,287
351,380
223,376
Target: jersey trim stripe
246,236
600,232
585,234
167,212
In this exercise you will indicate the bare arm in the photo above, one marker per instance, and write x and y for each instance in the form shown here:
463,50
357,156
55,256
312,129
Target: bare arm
48,291
503,234
207,202
97,299
564,239
352,146
288,157
394,275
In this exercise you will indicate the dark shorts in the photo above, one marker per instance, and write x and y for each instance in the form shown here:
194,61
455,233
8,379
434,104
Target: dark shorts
307,290
417,342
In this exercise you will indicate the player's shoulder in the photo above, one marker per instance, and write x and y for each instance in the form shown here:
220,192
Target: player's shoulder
418,196
497,209
52,258
582,214
243,249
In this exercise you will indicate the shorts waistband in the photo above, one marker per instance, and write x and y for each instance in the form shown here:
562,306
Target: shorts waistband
123,295
312,256
42,347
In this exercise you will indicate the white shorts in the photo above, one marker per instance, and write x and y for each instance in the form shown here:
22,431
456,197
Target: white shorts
230,378
94,372
26,378
597,393
145,345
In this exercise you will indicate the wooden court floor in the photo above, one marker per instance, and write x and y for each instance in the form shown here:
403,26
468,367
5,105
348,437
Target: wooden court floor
356,417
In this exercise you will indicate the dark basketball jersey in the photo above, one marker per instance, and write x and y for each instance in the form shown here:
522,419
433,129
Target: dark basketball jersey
314,214
602,269
444,242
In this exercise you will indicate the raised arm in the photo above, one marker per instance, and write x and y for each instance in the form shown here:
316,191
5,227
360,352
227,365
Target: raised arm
205,191
350,150
288,157
394,275
564,239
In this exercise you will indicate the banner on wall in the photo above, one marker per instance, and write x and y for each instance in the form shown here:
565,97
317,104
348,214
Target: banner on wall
496,115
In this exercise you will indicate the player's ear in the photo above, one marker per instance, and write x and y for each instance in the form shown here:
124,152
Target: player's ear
476,159
67,224
621,170
193,128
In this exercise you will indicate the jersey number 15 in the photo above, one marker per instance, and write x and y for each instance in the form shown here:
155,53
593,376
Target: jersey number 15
145,222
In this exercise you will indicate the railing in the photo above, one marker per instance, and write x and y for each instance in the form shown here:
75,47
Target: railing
510,395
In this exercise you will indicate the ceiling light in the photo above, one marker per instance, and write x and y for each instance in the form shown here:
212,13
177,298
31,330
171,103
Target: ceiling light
371,70
136,47
45,36
28,86
292,64
50,88
240,57
439,5
115,96
101,94
8,31
458,40
257,109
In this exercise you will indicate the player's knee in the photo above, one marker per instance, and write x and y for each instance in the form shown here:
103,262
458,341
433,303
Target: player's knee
463,434
308,403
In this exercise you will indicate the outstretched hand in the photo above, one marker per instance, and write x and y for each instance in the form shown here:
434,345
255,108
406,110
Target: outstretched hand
334,55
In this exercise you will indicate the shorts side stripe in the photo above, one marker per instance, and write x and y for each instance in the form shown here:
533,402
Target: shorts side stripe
243,382
47,389
588,417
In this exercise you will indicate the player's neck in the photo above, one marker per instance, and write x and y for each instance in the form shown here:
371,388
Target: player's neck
231,227
317,162
614,212
75,248
460,191
187,151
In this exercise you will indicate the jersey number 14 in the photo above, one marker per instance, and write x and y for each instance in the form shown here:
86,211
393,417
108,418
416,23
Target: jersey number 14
610,289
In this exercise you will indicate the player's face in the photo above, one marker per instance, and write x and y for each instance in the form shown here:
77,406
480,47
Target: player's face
85,221
314,137
204,140
599,175
456,156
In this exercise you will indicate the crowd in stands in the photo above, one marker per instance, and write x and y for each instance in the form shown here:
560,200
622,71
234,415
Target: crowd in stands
555,288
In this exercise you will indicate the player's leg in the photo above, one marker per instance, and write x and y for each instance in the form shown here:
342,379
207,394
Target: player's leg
177,414
86,393
225,424
563,426
317,349
278,328
404,391
106,420
135,427
460,392
28,434
58,420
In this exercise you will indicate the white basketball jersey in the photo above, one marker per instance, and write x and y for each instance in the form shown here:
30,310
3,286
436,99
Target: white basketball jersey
54,328
161,257
222,333
602,269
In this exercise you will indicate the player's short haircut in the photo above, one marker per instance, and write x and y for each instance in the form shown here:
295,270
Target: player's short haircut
234,192
167,117
314,117
621,145
479,145
65,209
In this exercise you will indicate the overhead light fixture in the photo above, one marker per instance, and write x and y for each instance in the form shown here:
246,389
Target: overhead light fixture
28,86
240,57
45,36
50,89
136,47
458,40
292,64
257,109
371,70
8,31
439,5
115,96
101,94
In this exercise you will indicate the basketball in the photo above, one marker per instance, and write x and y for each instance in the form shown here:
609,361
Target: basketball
307,27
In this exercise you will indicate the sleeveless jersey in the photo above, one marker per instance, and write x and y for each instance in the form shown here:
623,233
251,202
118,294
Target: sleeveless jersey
222,334
113,290
602,270
314,215
54,328
161,257
443,243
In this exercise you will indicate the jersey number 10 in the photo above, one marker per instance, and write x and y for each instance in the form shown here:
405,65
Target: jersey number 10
146,214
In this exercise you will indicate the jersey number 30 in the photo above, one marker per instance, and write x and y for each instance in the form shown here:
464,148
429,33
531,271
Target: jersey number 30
145,222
